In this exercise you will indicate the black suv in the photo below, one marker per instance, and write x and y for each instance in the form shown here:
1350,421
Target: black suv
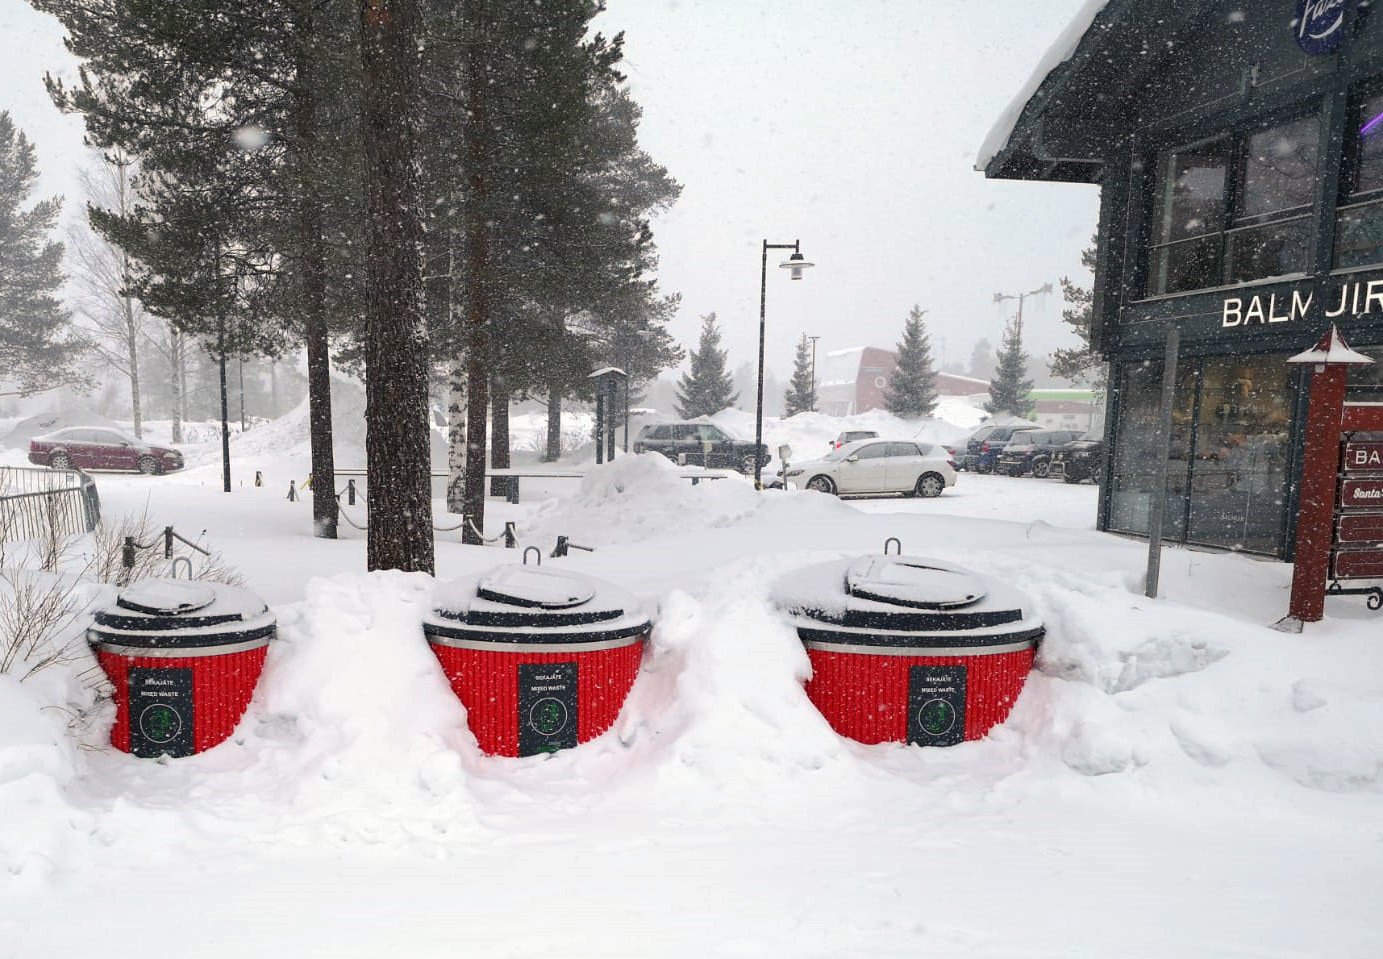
703,444
1080,459
983,447
1030,451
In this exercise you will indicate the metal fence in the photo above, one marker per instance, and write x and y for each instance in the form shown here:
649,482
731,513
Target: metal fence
37,504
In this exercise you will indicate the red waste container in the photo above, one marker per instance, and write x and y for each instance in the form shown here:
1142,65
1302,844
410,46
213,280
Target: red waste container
542,659
184,658
906,649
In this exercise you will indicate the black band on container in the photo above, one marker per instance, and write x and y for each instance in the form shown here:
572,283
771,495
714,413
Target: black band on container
907,640
143,640
539,617
920,622
535,639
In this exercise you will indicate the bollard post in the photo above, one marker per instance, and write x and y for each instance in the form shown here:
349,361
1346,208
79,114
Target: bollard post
167,542
292,491
259,478
127,554
511,535
560,549
350,491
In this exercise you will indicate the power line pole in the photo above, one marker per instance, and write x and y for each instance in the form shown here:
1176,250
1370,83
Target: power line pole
813,339
1043,290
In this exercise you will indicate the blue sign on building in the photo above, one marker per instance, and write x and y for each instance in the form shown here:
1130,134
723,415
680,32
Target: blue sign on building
1320,24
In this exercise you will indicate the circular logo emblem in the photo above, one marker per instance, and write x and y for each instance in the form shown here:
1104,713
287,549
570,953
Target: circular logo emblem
160,723
1320,25
548,717
936,717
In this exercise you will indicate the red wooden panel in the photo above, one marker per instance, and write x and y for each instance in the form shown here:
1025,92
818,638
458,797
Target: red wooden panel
1361,494
487,683
1357,564
1363,457
1362,417
865,697
222,687
1360,528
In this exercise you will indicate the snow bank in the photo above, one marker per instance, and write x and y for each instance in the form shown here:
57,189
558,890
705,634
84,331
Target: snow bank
643,497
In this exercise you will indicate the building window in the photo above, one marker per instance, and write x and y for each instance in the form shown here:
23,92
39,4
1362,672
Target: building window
1359,224
1234,209
1227,469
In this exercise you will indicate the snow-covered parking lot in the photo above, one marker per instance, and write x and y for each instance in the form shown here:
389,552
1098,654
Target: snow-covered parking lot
1176,780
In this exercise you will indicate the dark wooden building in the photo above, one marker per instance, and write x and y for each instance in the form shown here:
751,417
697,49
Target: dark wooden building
1238,149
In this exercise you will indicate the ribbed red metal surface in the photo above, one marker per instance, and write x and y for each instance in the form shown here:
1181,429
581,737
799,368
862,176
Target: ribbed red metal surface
865,697
222,687
487,683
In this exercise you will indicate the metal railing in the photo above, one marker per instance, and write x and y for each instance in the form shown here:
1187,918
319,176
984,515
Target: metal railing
44,503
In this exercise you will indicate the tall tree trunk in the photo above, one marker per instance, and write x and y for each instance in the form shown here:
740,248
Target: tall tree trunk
456,438
499,437
313,270
477,268
132,343
177,380
554,427
396,342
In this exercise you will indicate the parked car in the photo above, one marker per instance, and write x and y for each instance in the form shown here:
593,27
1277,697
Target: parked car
101,449
986,443
703,444
1081,459
850,436
1030,451
878,466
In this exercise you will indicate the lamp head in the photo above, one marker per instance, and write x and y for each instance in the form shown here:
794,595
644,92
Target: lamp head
796,263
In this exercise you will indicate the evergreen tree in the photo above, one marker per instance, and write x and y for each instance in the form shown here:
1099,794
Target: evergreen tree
706,388
36,347
801,392
911,391
1079,363
1011,391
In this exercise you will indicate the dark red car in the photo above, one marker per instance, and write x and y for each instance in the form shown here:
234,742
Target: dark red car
92,448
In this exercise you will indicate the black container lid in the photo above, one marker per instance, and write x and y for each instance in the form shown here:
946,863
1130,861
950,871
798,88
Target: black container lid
884,600
520,599
176,613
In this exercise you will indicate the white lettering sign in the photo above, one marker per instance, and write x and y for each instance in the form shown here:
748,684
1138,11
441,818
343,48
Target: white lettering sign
1359,298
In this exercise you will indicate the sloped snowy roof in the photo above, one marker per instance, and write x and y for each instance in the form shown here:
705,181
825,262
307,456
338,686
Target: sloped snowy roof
1059,52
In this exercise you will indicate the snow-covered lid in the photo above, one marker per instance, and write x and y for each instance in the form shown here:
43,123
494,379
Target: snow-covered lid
524,598
178,612
535,587
892,600
919,584
1332,349
167,597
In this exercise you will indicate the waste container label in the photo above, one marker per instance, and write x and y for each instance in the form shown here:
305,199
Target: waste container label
160,712
936,705
547,707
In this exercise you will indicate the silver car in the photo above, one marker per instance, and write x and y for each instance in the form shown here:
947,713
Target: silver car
878,466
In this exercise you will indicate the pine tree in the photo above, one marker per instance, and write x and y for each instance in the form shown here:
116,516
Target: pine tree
706,388
1011,391
1079,363
911,391
36,347
801,392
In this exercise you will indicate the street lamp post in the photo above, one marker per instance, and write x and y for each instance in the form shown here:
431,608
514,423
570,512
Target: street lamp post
1042,290
795,264
813,339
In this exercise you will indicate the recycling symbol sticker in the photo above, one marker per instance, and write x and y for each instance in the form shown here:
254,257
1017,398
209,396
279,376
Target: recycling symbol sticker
160,723
937,717
548,716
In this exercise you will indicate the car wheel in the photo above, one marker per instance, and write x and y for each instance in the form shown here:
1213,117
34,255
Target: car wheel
930,485
981,468
1070,477
1041,468
822,484
1097,475
148,465
747,465
60,461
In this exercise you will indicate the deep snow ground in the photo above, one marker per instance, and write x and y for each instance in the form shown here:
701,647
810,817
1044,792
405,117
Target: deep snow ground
1177,780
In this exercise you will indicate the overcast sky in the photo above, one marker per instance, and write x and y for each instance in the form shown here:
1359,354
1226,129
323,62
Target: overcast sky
850,124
